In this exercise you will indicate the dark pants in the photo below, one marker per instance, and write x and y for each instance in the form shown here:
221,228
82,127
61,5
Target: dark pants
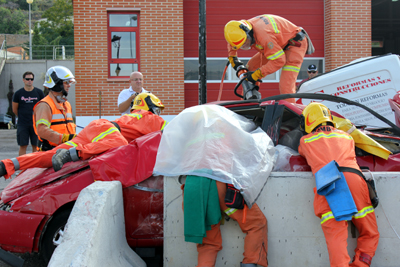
26,133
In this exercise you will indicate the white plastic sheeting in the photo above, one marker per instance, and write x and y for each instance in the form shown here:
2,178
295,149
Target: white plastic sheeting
283,160
214,142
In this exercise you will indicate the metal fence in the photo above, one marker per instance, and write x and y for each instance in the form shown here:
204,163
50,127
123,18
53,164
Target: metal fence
48,52
2,55
54,52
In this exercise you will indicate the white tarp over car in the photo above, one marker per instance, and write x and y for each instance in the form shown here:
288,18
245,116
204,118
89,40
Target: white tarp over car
214,142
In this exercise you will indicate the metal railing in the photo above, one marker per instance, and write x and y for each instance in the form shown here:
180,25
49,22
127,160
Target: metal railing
52,52
3,55
40,52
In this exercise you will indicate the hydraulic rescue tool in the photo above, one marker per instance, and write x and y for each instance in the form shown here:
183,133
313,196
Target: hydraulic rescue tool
250,90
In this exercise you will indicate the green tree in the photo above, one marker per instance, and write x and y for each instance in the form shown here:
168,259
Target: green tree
12,21
39,46
59,28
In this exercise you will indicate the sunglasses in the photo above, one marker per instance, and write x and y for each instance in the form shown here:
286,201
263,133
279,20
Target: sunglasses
29,79
312,72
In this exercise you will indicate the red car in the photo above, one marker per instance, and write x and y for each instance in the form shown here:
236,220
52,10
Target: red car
35,206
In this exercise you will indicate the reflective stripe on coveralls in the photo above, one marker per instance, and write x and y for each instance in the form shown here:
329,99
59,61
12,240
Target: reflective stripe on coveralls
230,211
361,214
133,115
273,23
330,135
139,116
291,68
43,121
276,55
97,138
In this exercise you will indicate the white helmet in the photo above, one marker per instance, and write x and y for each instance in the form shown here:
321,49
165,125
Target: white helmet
57,73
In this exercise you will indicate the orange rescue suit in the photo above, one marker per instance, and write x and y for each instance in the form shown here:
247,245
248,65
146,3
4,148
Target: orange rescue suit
319,148
99,136
251,221
271,35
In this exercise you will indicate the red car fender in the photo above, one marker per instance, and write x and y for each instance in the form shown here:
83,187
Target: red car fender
17,230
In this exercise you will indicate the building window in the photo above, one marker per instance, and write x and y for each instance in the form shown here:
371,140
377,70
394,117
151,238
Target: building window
216,66
317,61
123,46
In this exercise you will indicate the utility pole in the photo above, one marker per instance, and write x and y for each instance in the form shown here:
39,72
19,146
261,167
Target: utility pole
202,53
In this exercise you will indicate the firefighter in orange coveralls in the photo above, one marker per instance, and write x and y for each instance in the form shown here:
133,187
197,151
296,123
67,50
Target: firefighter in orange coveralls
251,221
99,136
279,43
52,116
321,145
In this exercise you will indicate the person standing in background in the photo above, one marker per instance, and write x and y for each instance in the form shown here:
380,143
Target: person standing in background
22,105
126,96
312,71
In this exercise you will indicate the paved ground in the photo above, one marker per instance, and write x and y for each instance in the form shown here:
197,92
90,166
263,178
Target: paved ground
9,149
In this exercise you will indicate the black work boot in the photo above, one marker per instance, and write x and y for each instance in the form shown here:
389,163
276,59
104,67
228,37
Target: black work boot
2,169
61,157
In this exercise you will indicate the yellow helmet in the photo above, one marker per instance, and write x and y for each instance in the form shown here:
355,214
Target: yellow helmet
148,101
236,32
315,114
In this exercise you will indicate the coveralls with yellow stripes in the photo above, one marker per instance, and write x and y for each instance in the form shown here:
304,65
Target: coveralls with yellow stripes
271,35
320,147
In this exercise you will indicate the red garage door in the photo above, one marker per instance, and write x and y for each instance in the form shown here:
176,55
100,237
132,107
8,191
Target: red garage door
307,14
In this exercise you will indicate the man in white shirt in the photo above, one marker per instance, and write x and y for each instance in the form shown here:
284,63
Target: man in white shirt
126,96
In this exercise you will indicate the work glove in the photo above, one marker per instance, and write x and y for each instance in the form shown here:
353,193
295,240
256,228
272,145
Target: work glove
67,137
235,62
253,76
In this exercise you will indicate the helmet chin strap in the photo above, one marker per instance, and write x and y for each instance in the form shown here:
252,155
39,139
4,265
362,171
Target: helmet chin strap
60,98
65,93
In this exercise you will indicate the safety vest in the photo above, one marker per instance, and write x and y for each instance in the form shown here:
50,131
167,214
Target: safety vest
61,121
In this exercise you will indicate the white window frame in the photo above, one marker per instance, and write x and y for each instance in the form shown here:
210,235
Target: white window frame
232,75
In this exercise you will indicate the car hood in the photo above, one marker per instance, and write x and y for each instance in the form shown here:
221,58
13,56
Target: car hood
34,178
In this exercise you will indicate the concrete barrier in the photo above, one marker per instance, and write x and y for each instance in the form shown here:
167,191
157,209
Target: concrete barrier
295,237
95,232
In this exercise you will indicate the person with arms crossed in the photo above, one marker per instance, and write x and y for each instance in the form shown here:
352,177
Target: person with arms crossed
127,96
22,105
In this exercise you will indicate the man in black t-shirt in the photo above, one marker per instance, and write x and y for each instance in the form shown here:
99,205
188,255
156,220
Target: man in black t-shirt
22,105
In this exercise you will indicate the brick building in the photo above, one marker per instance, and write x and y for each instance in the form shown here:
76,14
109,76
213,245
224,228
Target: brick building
160,39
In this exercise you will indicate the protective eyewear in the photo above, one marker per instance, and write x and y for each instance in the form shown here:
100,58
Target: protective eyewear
29,79
157,111
68,82
312,72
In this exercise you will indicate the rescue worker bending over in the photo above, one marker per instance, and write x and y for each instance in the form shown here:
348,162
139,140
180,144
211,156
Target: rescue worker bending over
279,43
323,144
52,116
251,221
99,136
